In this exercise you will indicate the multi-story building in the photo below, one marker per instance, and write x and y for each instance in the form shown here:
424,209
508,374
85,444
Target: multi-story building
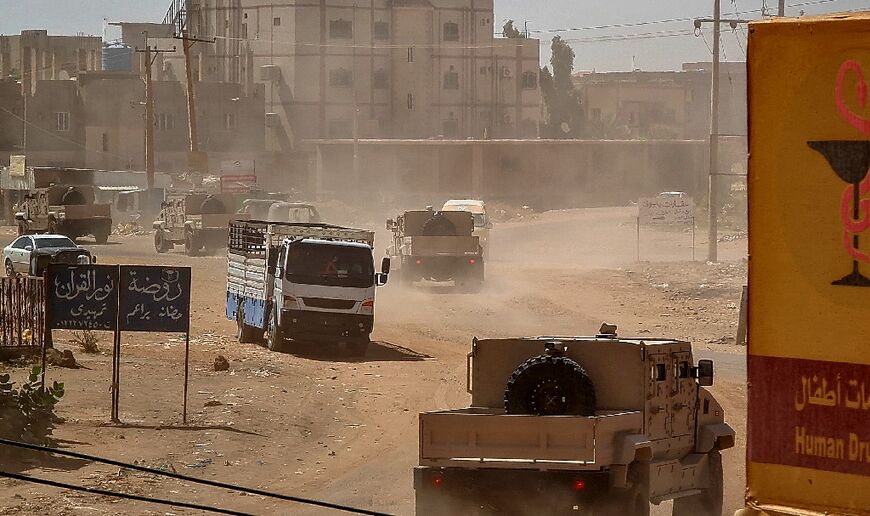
669,104
375,68
35,56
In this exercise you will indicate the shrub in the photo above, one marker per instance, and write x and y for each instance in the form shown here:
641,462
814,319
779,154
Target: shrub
87,341
27,412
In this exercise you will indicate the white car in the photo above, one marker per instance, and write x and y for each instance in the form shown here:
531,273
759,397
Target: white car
29,254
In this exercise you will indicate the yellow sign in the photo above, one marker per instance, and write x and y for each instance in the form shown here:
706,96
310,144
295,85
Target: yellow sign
809,270
16,166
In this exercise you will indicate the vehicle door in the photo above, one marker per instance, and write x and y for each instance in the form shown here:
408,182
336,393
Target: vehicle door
659,388
278,274
685,394
20,254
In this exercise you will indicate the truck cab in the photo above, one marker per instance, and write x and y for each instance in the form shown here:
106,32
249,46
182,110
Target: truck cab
303,282
580,425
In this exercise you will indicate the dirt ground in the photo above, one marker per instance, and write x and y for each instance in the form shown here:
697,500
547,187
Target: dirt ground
322,426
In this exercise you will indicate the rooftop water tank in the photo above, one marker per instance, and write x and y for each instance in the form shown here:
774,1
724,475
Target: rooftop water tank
117,57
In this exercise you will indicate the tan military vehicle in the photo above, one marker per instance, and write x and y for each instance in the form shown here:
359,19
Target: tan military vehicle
69,210
197,220
576,425
437,246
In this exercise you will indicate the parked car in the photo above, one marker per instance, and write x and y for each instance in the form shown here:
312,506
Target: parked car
30,254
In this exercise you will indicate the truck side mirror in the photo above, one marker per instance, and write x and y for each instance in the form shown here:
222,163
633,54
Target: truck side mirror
385,265
28,248
704,373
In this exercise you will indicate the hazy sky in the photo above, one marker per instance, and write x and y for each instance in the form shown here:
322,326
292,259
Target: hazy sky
659,53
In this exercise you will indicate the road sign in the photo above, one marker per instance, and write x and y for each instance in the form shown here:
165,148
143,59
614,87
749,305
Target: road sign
666,210
154,299
809,362
83,297
17,166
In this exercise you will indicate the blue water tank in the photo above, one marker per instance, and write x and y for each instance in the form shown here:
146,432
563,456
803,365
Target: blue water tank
117,57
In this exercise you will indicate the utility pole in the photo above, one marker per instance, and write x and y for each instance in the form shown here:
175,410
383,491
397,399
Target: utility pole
149,109
781,7
196,160
713,170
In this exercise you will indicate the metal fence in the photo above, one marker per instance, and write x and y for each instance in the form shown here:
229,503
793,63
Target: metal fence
22,312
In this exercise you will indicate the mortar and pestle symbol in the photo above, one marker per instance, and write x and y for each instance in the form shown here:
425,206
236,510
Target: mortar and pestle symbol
850,159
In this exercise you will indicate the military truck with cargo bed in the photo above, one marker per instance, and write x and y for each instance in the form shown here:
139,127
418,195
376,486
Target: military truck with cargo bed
437,246
576,425
62,209
312,283
196,220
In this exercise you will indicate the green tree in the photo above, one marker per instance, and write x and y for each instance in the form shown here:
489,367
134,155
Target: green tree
509,31
565,117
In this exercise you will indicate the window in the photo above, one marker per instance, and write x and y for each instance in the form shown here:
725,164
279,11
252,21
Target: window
230,121
382,30
164,122
451,31
340,78
276,22
410,101
341,29
245,30
451,80
451,127
340,129
62,120
22,242
380,81
410,54
659,372
530,80
105,142
683,370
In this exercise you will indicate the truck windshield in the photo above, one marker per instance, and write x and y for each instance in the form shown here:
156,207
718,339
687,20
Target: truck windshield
330,265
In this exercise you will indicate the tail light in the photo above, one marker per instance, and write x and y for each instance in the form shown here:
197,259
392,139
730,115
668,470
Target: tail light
472,261
368,306
579,485
419,261
437,480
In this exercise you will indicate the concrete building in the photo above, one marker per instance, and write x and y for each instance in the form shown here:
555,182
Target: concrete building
97,122
389,68
35,56
676,104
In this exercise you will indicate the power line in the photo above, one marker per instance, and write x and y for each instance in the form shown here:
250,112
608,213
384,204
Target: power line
138,498
177,476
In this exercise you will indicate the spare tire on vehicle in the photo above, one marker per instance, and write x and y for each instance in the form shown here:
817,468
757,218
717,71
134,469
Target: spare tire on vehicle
212,206
439,225
550,385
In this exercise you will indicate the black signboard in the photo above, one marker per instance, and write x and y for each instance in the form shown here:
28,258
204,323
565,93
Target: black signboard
154,299
82,297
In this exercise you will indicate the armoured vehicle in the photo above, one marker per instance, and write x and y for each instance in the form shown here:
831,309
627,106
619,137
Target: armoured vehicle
196,220
576,425
302,282
437,246
68,210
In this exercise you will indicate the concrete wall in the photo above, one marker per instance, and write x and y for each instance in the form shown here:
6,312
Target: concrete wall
542,173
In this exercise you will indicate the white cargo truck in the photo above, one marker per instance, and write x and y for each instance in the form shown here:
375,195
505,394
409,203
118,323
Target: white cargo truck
302,282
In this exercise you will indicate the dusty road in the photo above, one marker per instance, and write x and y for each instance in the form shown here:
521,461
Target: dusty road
321,426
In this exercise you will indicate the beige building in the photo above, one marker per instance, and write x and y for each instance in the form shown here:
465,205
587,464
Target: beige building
35,56
409,68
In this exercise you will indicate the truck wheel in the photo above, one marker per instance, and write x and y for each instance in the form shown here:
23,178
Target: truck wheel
160,242
549,385
246,334
274,335
101,234
191,243
10,270
439,225
709,501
